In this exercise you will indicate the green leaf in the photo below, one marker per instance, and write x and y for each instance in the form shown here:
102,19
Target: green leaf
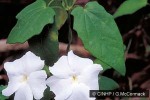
52,3
100,35
48,95
68,4
106,83
45,45
61,13
48,48
129,7
61,16
104,65
1,96
31,21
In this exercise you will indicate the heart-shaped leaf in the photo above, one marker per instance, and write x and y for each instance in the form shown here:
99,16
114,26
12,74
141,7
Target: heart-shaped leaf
31,21
100,35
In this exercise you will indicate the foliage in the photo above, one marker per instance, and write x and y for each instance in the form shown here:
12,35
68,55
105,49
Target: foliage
41,45
29,24
100,35
1,96
107,83
129,7
40,22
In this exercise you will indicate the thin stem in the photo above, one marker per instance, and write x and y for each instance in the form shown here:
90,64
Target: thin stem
66,2
50,2
128,47
130,86
70,32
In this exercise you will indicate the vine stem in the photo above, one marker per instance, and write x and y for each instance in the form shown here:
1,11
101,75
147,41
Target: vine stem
65,2
70,31
130,86
128,47
50,2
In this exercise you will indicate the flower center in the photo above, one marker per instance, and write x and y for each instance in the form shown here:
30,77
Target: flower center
24,78
75,79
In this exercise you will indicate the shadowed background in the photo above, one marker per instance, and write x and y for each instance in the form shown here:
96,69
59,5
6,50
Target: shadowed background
135,31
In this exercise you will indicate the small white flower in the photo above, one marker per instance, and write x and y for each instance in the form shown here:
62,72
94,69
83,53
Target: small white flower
73,77
26,79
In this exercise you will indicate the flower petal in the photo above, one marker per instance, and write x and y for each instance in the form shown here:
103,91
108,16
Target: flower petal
61,87
32,62
90,76
13,86
37,83
77,63
61,68
80,92
14,68
24,93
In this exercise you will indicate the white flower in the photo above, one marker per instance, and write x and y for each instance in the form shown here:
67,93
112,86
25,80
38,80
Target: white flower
26,79
73,77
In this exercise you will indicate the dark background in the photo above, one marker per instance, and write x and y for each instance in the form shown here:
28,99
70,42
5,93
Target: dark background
134,28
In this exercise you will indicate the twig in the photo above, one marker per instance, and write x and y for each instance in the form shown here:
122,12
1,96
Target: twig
4,47
80,50
127,49
70,31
